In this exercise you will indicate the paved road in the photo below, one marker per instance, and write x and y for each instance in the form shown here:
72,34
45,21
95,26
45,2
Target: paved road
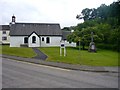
16,74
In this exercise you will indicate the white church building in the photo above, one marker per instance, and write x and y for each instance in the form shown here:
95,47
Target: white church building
37,34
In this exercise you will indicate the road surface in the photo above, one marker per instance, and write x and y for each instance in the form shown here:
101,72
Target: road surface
16,74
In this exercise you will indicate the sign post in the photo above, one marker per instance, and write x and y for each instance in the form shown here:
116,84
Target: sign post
62,46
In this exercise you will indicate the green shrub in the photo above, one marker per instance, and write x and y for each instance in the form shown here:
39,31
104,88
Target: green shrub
107,47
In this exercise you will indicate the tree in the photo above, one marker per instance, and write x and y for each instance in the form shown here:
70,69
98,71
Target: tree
102,12
104,21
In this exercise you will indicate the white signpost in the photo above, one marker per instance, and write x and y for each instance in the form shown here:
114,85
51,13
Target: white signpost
62,46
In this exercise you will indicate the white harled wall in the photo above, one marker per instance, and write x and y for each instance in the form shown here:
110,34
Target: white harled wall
54,41
72,44
15,41
4,35
0,36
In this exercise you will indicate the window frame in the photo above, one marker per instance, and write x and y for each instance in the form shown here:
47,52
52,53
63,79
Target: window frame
4,38
47,40
33,39
4,32
25,40
42,38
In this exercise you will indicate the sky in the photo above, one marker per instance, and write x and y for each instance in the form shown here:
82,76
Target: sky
46,11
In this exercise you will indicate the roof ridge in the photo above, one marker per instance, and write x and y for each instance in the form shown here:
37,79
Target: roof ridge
4,25
37,23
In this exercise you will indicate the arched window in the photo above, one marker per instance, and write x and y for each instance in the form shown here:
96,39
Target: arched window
42,38
47,40
26,40
33,39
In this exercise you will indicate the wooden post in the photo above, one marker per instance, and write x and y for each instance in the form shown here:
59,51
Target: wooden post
64,51
60,51
62,46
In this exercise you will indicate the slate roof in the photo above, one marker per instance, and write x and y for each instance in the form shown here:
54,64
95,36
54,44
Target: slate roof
4,27
65,34
45,29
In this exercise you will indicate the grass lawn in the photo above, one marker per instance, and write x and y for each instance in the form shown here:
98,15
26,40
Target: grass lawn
0,49
74,56
22,51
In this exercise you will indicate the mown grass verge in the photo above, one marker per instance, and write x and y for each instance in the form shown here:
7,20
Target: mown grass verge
18,51
82,57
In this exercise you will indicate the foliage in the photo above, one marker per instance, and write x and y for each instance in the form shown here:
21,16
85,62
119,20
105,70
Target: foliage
103,21
102,12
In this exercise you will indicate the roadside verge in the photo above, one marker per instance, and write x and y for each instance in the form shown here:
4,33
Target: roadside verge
63,65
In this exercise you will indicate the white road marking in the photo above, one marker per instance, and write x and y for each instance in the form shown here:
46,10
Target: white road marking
42,65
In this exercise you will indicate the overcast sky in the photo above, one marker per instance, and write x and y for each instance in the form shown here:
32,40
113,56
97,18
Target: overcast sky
46,11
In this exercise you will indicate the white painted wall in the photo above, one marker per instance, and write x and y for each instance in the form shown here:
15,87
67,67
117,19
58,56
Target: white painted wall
16,41
0,36
4,35
8,38
30,44
54,41
72,44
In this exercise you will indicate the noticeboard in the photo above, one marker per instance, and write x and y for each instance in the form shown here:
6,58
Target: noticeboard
62,45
